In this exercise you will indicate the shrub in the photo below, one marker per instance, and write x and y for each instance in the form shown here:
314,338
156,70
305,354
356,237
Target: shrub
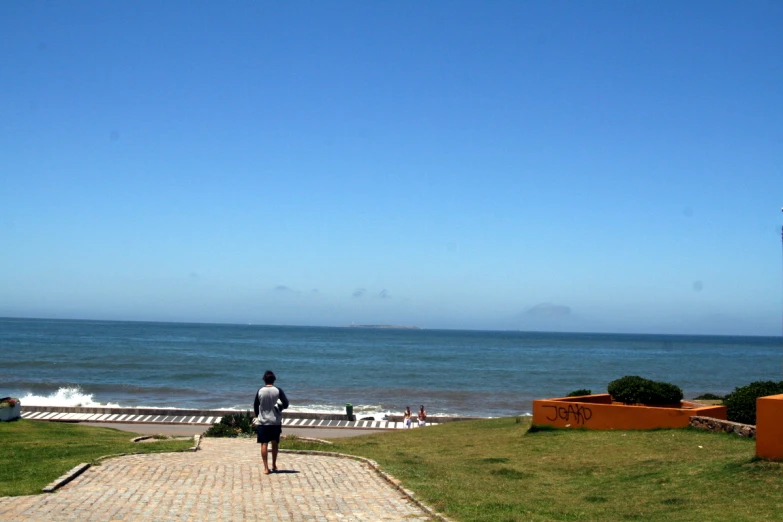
708,397
232,425
8,402
579,393
741,403
633,389
221,430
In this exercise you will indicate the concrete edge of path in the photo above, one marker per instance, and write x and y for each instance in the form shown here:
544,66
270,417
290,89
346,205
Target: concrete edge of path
81,468
388,478
64,479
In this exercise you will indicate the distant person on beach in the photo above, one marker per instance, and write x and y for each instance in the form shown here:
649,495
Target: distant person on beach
269,405
422,416
406,417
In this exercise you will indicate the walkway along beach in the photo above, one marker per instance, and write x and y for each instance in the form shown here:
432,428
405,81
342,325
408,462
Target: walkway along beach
222,481
206,418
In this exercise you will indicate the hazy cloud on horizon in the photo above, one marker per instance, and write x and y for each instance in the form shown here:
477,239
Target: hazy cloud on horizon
548,310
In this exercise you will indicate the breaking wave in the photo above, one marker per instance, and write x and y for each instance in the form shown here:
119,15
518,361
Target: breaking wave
71,396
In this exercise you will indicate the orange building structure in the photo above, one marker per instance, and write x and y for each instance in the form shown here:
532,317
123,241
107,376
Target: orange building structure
599,412
769,427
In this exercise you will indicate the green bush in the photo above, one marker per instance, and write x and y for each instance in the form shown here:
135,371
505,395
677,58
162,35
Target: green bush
579,393
633,389
232,425
741,403
8,402
221,430
708,397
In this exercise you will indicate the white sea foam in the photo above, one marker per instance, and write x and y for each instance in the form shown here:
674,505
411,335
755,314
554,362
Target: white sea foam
358,409
75,396
72,396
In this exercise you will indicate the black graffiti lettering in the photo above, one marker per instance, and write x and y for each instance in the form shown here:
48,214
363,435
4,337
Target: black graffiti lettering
579,413
587,413
554,408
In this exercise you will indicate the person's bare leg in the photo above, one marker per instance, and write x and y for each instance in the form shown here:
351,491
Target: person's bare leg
265,455
274,455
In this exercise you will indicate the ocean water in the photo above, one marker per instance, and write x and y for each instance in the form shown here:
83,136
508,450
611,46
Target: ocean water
477,373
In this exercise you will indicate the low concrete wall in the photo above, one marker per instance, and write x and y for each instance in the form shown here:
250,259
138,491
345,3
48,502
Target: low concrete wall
723,426
220,413
174,412
598,412
431,419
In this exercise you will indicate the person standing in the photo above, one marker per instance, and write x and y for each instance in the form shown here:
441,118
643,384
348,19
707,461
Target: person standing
268,406
422,416
406,417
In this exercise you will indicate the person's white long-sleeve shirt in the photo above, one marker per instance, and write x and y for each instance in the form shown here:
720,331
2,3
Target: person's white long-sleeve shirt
269,405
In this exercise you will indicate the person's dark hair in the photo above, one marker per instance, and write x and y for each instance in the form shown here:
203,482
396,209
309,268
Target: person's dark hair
269,377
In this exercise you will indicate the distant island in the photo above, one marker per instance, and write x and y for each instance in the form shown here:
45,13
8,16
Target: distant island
385,326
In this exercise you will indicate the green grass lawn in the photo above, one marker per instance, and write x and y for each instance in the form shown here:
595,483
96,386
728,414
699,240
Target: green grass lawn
495,470
32,454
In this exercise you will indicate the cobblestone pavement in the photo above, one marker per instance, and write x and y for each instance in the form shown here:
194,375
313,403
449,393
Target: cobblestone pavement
222,481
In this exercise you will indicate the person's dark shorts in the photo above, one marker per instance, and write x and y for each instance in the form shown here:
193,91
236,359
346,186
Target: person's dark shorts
268,433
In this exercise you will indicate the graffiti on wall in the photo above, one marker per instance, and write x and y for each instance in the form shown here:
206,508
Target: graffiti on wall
576,413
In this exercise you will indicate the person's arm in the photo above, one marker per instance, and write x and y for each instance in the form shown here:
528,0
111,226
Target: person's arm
283,399
257,403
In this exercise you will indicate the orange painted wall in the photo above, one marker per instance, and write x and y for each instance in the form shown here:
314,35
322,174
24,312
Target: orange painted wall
769,427
598,412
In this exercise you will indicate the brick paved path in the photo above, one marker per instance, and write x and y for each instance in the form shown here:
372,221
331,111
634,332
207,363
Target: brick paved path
222,481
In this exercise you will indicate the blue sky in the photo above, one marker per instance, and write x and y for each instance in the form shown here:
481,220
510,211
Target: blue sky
566,166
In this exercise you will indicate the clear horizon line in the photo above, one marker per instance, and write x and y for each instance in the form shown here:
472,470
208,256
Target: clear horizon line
417,328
